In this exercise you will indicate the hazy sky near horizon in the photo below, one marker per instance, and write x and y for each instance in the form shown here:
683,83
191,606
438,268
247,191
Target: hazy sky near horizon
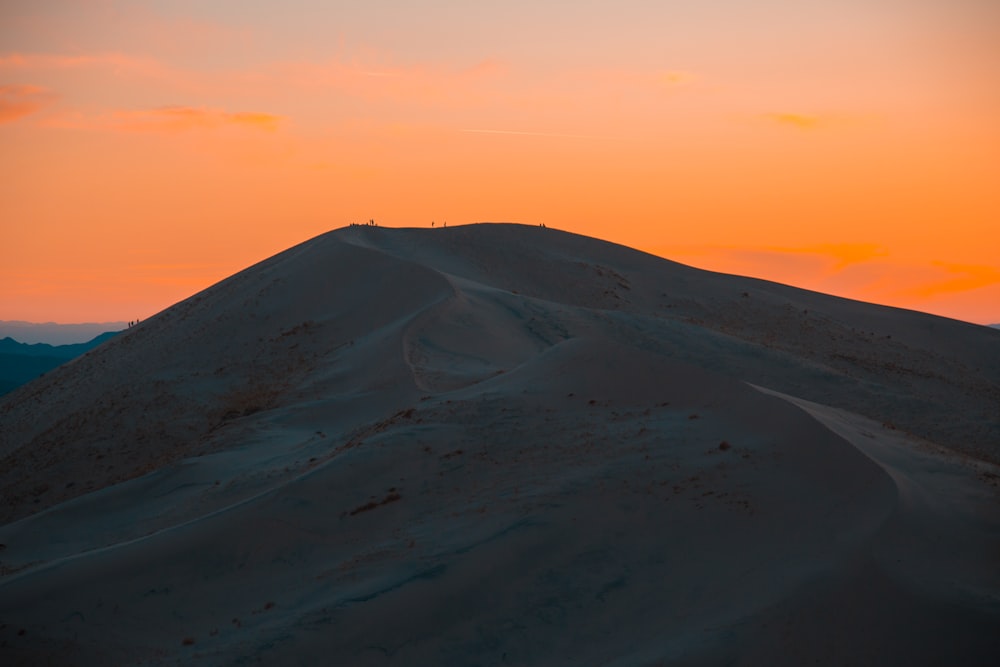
150,148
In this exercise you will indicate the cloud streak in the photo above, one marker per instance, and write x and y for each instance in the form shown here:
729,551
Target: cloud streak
181,118
856,270
843,254
963,278
533,134
164,120
807,122
375,78
20,100
796,120
117,62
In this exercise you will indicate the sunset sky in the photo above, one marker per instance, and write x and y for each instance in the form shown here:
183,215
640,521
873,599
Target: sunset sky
151,148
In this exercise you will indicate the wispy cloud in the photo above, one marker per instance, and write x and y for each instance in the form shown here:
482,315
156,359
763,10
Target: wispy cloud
797,120
819,259
377,78
956,278
19,101
94,74
534,134
842,254
167,119
374,76
856,270
118,62
181,118
817,121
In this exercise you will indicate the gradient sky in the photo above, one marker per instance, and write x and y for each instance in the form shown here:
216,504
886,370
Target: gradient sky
151,148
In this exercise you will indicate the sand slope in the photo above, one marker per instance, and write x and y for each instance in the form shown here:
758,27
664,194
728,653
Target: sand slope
500,444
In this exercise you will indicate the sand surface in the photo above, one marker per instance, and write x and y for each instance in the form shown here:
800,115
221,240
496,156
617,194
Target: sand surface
506,445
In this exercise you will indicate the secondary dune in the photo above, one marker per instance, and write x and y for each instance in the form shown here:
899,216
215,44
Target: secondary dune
500,444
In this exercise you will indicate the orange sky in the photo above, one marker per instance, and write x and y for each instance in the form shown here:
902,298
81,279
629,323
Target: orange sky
148,149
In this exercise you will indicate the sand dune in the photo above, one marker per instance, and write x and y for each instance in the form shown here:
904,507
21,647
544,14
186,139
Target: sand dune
500,444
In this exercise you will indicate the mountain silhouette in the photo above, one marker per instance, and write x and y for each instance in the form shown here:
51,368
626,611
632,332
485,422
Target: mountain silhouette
22,362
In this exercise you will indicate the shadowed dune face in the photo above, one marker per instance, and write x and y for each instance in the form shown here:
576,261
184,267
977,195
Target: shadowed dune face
169,390
503,443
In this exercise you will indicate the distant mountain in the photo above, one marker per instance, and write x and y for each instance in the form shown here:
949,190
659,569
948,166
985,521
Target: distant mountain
56,334
995,326
22,362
